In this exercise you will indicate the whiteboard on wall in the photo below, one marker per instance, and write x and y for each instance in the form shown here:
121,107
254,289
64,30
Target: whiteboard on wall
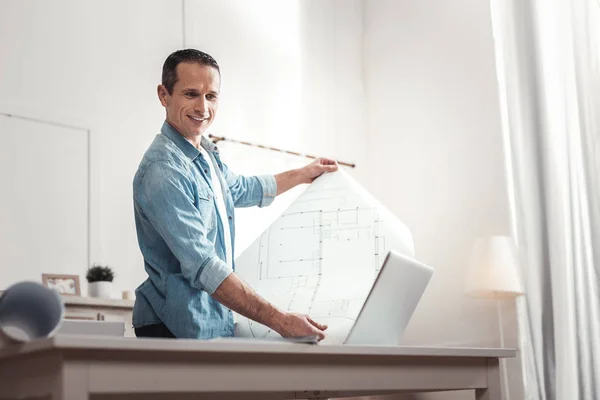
44,206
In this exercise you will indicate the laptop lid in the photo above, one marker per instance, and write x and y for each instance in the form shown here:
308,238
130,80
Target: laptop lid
391,302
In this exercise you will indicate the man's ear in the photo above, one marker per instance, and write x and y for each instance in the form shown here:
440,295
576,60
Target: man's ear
162,95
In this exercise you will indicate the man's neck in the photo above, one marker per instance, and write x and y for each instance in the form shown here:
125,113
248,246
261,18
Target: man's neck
194,139
197,144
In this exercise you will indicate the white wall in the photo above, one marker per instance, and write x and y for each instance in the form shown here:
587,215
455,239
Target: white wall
94,65
291,78
435,153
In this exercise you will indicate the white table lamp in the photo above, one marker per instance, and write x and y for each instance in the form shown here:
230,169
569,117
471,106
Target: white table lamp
494,269
494,273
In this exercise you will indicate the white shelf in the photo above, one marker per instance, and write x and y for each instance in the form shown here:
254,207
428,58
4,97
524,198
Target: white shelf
97,302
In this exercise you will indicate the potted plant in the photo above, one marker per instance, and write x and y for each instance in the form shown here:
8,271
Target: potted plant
99,279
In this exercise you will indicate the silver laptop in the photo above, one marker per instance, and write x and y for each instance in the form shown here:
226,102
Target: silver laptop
390,304
391,301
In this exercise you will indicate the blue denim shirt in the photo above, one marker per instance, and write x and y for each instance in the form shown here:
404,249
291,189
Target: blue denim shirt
181,236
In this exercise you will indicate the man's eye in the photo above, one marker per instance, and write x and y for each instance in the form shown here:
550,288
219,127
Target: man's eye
191,94
211,97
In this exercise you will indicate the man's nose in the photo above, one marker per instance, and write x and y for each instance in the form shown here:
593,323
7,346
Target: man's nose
202,106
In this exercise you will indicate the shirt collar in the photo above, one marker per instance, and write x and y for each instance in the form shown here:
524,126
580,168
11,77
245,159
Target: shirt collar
188,149
208,145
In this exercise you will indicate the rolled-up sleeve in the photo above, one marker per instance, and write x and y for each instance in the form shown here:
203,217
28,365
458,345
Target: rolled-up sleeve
212,274
269,189
165,196
248,191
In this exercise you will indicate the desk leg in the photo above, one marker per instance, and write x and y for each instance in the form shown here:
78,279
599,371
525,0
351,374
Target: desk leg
493,390
74,383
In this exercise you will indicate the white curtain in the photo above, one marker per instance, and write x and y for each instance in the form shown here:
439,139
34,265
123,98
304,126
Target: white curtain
549,80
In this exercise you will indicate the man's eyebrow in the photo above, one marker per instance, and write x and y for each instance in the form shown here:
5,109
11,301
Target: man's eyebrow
196,91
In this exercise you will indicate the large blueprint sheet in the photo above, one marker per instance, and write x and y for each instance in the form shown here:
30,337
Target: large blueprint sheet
321,256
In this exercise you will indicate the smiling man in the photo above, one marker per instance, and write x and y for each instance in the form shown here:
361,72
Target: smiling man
184,198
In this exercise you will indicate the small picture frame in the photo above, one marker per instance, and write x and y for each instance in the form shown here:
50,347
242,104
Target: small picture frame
63,284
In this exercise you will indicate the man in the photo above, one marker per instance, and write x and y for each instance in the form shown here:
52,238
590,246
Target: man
184,198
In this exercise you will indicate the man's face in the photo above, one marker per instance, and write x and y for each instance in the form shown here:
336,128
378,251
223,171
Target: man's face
192,106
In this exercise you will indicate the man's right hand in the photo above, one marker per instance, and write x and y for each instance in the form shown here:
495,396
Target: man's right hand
241,298
292,324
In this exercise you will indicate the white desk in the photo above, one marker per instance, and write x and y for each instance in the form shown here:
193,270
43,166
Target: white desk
82,368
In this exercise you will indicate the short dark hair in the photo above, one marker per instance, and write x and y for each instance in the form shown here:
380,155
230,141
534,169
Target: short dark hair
169,71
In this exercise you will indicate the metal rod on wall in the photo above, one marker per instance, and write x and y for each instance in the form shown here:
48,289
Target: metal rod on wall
217,139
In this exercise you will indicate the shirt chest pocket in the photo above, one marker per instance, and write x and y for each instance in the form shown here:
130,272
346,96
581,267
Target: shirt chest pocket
205,205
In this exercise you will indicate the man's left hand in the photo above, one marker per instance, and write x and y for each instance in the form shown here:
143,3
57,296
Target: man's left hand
316,168
289,179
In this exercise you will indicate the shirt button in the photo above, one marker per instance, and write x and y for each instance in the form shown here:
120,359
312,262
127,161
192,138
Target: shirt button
230,217
206,171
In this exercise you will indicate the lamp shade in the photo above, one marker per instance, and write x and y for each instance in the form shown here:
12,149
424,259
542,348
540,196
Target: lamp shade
493,270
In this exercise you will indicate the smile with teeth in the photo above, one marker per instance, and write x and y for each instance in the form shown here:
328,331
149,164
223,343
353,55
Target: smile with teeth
198,119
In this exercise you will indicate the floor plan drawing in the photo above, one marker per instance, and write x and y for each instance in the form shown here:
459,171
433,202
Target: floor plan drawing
322,255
